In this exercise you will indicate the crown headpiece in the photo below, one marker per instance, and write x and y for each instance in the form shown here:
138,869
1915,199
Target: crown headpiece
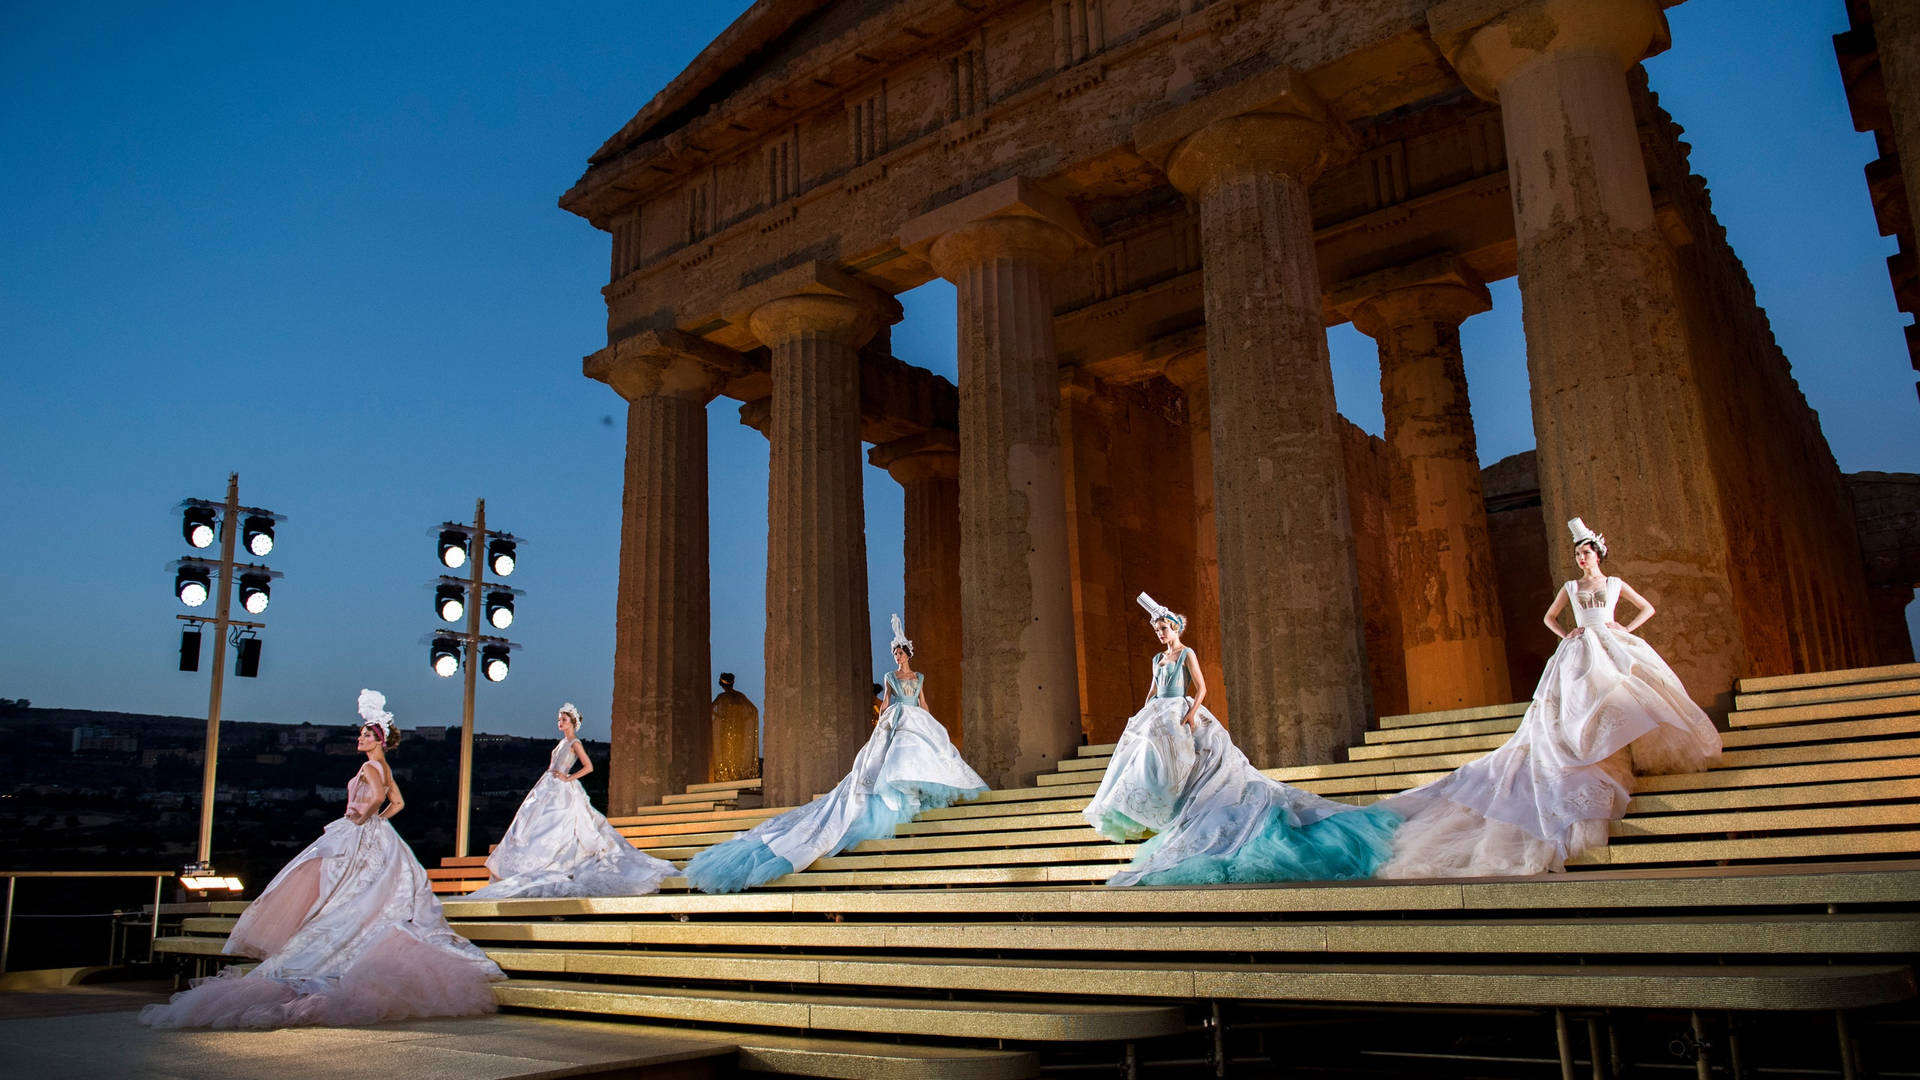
1157,611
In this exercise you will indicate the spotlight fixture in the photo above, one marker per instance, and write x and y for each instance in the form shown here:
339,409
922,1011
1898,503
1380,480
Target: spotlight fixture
500,610
453,548
450,601
258,535
493,662
192,584
190,649
246,657
254,592
500,554
196,524
445,657
202,877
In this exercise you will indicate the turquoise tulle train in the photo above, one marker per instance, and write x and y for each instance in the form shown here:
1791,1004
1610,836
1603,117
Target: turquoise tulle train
745,861
1338,848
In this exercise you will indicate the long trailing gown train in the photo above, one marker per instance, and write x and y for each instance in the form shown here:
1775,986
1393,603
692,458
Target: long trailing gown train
348,933
1216,818
908,765
559,845
1607,708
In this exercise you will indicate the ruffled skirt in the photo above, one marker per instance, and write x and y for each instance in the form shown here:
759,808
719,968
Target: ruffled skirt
907,766
559,845
349,933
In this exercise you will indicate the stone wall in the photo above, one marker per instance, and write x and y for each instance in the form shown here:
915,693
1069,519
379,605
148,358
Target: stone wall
1518,534
1886,510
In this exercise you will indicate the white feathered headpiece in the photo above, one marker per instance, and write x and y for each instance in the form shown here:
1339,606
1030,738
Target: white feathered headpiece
1157,611
570,709
1584,535
900,635
373,712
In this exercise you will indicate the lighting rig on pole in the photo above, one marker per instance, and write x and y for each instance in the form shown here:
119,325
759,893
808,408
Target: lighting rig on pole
457,600
201,523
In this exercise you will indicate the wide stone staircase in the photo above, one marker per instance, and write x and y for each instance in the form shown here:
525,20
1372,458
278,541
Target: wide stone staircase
1768,908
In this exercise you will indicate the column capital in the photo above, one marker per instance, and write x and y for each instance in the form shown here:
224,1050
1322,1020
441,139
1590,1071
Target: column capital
1187,370
816,296
1488,41
1439,289
1270,122
666,362
1015,218
929,455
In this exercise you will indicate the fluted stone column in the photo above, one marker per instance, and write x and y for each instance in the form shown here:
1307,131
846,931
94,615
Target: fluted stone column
928,469
1019,679
1294,644
817,650
1448,598
1189,373
659,730
1616,408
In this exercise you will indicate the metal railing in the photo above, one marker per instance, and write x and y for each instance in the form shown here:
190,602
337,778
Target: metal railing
13,880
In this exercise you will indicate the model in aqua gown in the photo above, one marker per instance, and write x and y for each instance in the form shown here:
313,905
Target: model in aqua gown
1213,817
908,765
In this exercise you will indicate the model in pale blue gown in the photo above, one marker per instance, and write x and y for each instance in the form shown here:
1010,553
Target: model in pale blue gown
908,765
1214,817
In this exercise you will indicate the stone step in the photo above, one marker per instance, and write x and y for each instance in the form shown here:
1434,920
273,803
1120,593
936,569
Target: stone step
1832,710
704,799
1771,683
1852,845
1817,695
727,785
1442,731
1453,716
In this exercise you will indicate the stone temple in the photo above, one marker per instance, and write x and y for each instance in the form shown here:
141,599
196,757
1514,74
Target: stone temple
1152,211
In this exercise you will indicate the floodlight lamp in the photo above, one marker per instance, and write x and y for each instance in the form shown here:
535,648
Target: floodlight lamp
196,525
258,535
445,657
500,609
254,592
192,584
453,548
493,662
450,602
500,556
202,877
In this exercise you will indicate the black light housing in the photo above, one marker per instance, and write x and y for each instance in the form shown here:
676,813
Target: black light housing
500,609
450,602
190,649
246,657
193,584
257,535
196,526
493,662
255,592
453,548
444,656
500,556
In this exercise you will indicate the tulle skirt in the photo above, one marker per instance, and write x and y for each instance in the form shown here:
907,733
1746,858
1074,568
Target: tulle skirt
559,845
349,932
1218,819
1607,708
907,766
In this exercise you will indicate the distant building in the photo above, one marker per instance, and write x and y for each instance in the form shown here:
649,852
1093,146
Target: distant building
432,734
310,735
99,740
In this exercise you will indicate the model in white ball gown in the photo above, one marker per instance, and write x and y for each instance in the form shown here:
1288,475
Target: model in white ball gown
347,933
908,765
1213,817
1607,708
559,845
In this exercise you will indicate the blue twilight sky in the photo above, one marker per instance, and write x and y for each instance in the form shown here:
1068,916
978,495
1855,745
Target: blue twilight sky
318,245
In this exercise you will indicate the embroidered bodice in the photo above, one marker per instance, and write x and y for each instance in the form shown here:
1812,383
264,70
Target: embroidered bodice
362,795
1170,677
1595,608
907,692
561,760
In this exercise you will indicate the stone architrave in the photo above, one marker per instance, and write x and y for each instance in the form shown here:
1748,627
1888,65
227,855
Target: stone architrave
814,319
1020,683
928,469
1294,641
1189,372
1617,415
1449,602
659,727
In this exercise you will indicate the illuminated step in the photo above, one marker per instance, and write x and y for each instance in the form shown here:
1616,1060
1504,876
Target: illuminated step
1772,683
1817,695
1454,716
727,785
1832,710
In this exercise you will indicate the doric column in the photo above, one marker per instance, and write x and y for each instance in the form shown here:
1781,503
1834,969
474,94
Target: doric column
1020,684
1293,639
818,656
928,468
662,616
1189,373
1617,414
1449,604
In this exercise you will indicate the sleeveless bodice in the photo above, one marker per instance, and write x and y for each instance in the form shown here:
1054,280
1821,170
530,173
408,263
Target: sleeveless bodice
908,692
1170,678
561,760
361,795
1594,609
